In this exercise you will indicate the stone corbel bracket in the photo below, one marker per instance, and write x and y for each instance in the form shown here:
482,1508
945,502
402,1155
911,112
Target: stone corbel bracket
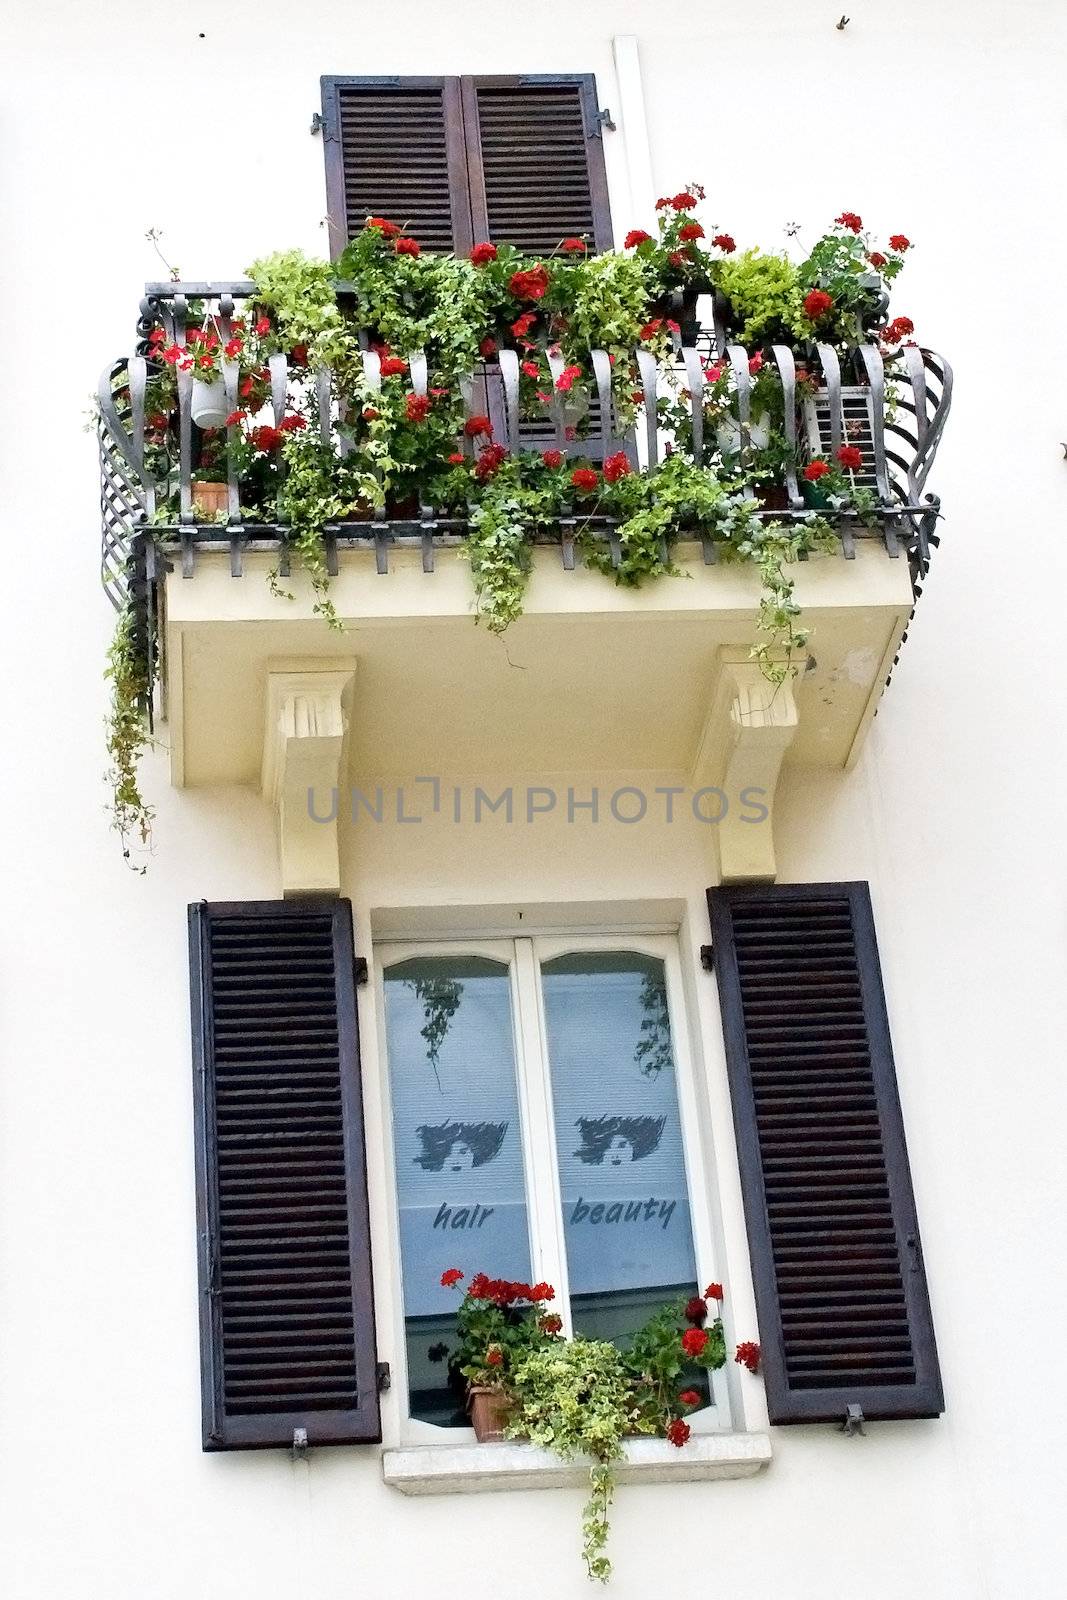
750,726
304,750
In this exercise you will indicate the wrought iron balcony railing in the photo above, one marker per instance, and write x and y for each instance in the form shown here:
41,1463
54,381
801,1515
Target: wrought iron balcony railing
896,427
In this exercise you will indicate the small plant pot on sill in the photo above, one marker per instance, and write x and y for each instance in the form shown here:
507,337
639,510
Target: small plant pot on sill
211,498
490,1412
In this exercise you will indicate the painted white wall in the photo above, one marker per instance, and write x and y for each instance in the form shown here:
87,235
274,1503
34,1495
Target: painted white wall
946,122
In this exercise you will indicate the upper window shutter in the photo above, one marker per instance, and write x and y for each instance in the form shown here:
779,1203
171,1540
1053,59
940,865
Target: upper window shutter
394,148
286,1308
535,152
841,1295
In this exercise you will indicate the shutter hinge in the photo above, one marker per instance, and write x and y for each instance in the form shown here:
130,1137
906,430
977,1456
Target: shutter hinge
707,957
359,969
603,120
299,1447
383,1376
322,123
853,1422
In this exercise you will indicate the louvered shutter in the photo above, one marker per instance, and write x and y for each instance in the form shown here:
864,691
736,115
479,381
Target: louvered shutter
394,148
535,153
841,1295
287,1320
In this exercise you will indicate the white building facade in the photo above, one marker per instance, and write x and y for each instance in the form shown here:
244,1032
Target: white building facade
526,830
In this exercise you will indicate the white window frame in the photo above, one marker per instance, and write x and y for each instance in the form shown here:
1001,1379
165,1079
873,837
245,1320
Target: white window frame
523,955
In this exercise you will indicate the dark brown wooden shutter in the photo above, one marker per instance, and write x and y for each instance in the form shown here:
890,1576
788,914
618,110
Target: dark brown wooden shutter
394,148
535,152
841,1295
286,1307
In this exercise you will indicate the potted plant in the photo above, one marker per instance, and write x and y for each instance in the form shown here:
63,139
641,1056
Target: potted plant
499,1321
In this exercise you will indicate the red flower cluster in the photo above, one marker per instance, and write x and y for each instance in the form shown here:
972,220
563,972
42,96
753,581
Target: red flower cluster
566,378
393,366
522,325
694,1341
451,1277
417,407
585,480
678,1432
725,243
550,1322
293,423
263,326
635,237
899,242
233,347
690,1397
387,229
691,230
505,1293
406,247
552,458
650,329
849,220
616,467
755,363
529,285
489,460
494,1356
696,1311
713,1291
487,347
456,459
531,369
899,328
816,304
482,254
850,457
477,426
747,1355
877,259
265,438
574,247
816,470
678,202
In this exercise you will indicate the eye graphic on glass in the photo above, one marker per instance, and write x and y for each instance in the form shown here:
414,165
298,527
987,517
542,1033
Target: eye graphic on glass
458,1146
616,1141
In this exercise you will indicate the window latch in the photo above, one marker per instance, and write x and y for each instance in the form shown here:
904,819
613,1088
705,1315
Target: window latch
707,957
299,1447
384,1376
359,969
853,1422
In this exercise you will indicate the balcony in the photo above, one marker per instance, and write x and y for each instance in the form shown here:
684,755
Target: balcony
409,683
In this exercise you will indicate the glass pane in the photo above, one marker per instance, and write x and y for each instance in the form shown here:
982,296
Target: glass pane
458,1145
618,1137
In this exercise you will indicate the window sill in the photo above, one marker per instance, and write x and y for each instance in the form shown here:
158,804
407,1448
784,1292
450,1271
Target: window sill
482,1468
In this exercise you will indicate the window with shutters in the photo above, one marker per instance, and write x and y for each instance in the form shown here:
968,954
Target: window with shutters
286,1309
841,1293
543,1127
456,160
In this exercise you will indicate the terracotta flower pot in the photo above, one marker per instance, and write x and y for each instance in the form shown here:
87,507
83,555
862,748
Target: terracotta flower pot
210,497
490,1411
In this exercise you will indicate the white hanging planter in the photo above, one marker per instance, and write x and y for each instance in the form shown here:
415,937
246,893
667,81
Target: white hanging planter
210,408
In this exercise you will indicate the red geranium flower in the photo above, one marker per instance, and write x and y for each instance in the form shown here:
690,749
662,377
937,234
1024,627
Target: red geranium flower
417,407
479,1287
683,200
292,423
542,1291
456,459
494,1357
755,363
482,254
898,329
876,258
298,354
585,480
263,326
725,243
552,458
452,1276
529,285
850,457
849,219
232,348
713,373
487,347
635,237
713,1291
651,328
899,242
531,369
265,438
691,230
566,378
661,205
678,1431
173,354
385,227
550,1323
474,427
693,1341
486,466
747,1355
677,258
370,414
616,467
690,1397
574,247
696,1311
522,325
406,247
392,366
816,304
816,470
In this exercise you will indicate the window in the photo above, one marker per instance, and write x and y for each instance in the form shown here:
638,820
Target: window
457,160
543,1127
